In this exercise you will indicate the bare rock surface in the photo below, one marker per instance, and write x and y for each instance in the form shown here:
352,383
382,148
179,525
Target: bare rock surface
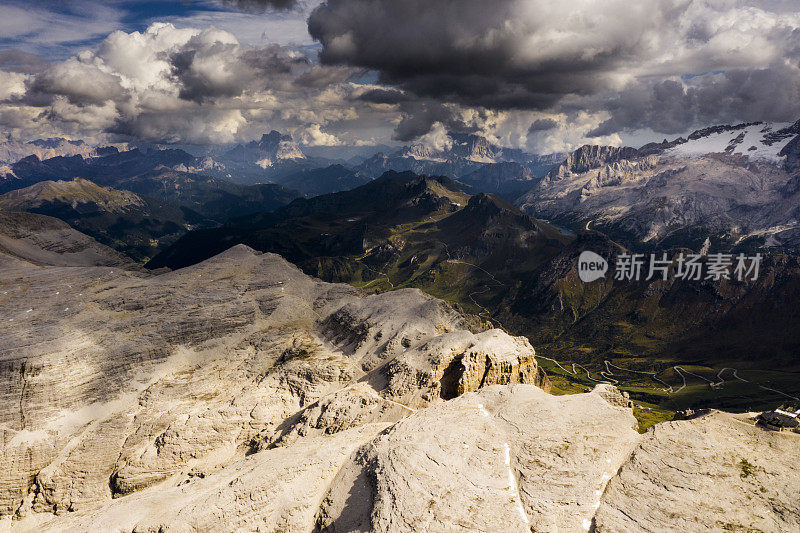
274,490
44,240
115,383
502,459
713,473
242,395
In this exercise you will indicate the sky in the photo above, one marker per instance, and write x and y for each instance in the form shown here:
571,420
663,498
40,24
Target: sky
542,75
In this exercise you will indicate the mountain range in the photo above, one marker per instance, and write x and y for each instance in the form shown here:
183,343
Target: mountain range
485,166
12,150
482,253
130,200
183,191
736,187
240,392
728,188
135,225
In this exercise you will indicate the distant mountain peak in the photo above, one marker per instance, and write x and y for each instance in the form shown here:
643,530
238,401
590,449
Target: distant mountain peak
272,148
77,193
475,148
489,199
273,138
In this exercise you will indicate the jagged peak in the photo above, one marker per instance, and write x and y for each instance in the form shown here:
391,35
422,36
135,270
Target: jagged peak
275,137
591,156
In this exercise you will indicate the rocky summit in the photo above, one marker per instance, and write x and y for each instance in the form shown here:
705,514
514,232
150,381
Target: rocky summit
242,394
114,381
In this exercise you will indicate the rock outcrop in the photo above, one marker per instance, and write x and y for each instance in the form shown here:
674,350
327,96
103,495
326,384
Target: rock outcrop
717,472
589,157
241,394
113,381
503,459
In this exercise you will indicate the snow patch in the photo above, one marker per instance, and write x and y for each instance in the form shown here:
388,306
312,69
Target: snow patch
750,141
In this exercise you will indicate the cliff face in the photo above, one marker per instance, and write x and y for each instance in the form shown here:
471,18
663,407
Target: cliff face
589,157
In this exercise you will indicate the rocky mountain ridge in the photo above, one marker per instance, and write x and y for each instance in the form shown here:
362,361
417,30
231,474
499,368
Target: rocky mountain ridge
734,185
133,224
12,150
142,213
33,239
487,167
241,394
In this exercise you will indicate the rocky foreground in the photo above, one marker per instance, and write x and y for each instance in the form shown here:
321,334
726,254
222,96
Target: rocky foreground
241,394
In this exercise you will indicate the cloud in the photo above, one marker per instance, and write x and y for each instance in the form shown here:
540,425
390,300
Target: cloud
79,82
437,139
314,136
187,85
516,54
253,23
418,118
672,106
570,133
12,85
384,95
542,124
209,67
564,56
17,61
202,125
528,73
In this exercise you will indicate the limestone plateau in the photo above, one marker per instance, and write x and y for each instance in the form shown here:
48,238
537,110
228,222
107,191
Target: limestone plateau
240,394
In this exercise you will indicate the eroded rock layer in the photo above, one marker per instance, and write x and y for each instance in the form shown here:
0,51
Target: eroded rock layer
113,381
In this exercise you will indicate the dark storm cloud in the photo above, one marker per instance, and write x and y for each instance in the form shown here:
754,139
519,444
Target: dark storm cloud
474,53
419,117
541,55
384,96
542,124
771,94
319,77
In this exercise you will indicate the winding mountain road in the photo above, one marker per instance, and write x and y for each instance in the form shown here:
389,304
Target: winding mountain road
607,375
